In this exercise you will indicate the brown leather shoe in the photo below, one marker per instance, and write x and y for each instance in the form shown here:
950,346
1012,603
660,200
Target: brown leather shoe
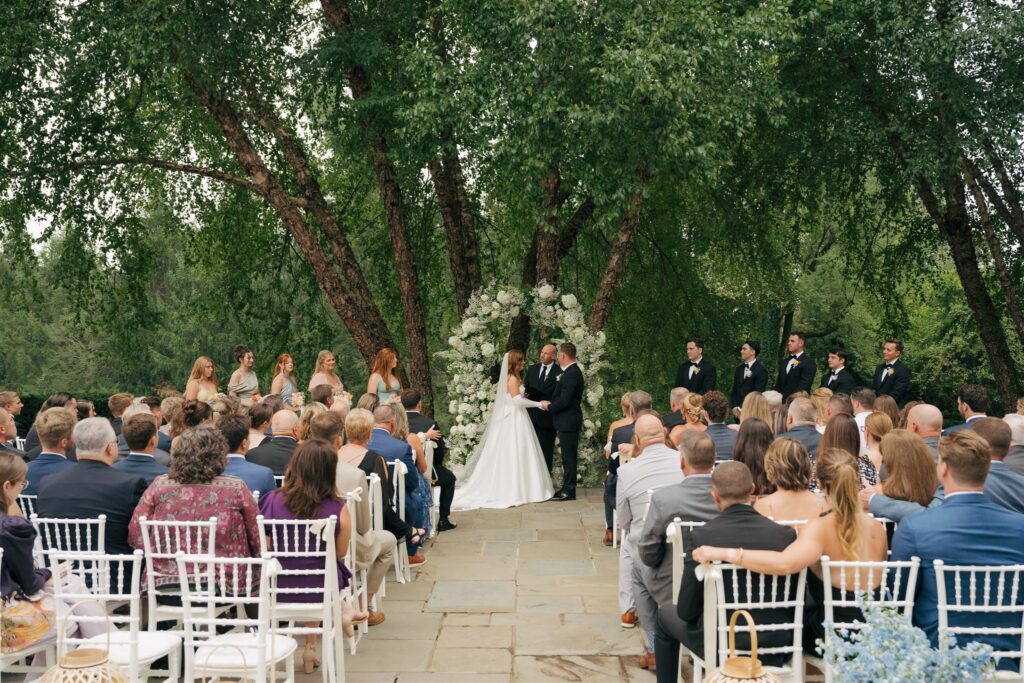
647,661
629,619
417,559
375,618
607,537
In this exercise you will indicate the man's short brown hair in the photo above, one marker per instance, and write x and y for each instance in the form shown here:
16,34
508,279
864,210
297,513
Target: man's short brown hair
321,393
699,451
118,403
967,456
996,432
732,481
138,430
7,398
327,426
55,424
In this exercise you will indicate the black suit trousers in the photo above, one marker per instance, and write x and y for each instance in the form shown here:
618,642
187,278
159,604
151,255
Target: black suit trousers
546,437
446,482
569,442
669,631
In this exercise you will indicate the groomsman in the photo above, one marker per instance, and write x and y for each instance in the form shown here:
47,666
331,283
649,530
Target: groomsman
796,373
697,375
540,386
751,375
838,378
892,376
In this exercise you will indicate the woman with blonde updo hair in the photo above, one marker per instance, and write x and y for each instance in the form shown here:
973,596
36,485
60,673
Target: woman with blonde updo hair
844,532
692,410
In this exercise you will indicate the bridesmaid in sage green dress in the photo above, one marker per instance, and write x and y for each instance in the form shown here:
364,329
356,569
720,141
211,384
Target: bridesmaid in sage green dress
383,380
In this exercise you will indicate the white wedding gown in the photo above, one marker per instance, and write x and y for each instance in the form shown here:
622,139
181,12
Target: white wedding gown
507,467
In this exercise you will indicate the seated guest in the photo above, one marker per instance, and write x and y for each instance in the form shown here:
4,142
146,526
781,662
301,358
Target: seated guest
716,408
838,404
309,493
162,457
693,417
368,402
620,439
1015,456
689,500
910,469
968,529
18,574
737,526
195,490
11,402
863,400
383,442
800,425
305,417
653,466
61,399
117,404
788,468
402,433
444,477
140,433
844,533
774,399
9,434
1003,486
972,404
926,421
163,440
876,426
192,413
753,439
755,405
276,451
780,420
887,404
322,394
235,429
260,415
820,398
674,418
169,408
54,429
903,421
86,409
842,433
358,427
374,550
92,487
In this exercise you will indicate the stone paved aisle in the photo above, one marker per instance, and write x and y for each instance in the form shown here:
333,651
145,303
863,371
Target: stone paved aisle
526,594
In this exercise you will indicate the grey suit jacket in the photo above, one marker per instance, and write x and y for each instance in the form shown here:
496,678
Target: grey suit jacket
689,500
724,440
806,434
1015,459
655,467
932,442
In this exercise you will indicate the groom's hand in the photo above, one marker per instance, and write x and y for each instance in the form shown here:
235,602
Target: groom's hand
544,405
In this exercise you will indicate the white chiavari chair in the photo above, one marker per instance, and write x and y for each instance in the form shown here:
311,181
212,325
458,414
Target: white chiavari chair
27,503
377,520
435,492
983,603
114,580
309,542
675,534
398,472
223,642
162,541
68,535
357,586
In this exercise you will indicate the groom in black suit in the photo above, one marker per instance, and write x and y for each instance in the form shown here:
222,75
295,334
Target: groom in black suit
567,416
540,386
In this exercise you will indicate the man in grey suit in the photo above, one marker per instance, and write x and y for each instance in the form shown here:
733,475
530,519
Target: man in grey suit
690,500
926,421
1015,457
716,407
653,466
800,425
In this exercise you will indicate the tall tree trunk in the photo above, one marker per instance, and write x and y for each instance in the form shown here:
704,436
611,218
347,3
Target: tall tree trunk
363,321
996,250
547,229
786,330
612,278
461,238
338,17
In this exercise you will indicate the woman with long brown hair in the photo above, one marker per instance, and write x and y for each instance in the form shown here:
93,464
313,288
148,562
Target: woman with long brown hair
843,532
507,467
283,384
841,432
909,467
751,444
383,380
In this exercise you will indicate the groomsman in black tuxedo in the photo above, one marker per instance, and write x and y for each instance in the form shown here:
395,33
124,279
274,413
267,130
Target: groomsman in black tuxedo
796,373
697,375
540,386
838,378
750,375
892,376
567,416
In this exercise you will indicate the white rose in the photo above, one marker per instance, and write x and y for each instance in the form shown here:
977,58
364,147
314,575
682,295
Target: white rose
464,407
600,337
453,340
487,349
503,298
569,301
468,326
496,306
478,367
494,315
459,419
482,394
484,297
589,424
599,390
592,398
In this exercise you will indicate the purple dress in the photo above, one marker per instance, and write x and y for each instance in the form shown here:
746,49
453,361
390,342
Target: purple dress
272,506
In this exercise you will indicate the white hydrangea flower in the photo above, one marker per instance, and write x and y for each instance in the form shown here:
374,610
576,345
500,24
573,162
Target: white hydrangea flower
569,300
487,349
503,298
484,297
546,292
453,406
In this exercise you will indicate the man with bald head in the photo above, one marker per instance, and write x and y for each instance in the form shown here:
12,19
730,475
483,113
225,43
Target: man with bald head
925,420
653,466
276,451
540,386
1015,456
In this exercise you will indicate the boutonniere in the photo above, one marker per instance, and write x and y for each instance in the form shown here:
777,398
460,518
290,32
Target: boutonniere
696,371
747,373
558,379
796,363
888,371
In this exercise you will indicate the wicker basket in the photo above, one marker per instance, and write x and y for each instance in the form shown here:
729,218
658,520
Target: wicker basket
86,664
742,668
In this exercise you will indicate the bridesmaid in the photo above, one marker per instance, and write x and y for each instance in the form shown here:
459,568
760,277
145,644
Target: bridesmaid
324,372
202,383
243,383
284,384
383,381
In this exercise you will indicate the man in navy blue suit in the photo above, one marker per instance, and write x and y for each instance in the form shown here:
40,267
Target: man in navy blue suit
140,433
54,427
967,529
972,404
235,429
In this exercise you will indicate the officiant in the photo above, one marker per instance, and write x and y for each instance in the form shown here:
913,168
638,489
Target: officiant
540,386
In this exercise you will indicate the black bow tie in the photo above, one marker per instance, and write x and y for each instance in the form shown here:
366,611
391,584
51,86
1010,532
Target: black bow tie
888,365
792,356
695,363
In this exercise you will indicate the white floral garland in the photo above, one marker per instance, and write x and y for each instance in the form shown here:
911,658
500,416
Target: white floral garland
475,347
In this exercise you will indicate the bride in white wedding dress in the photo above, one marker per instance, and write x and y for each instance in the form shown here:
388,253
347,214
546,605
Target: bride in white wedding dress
507,467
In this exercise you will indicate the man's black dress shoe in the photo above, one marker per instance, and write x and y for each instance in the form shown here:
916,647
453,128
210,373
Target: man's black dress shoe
562,495
446,525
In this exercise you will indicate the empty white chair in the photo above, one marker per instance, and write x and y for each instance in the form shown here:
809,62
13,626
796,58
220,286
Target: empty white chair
309,542
738,588
27,503
993,595
114,579
219,642
69,535
398,472
162,541
884,584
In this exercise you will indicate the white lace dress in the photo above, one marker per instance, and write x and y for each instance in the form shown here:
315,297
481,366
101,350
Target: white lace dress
507,467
